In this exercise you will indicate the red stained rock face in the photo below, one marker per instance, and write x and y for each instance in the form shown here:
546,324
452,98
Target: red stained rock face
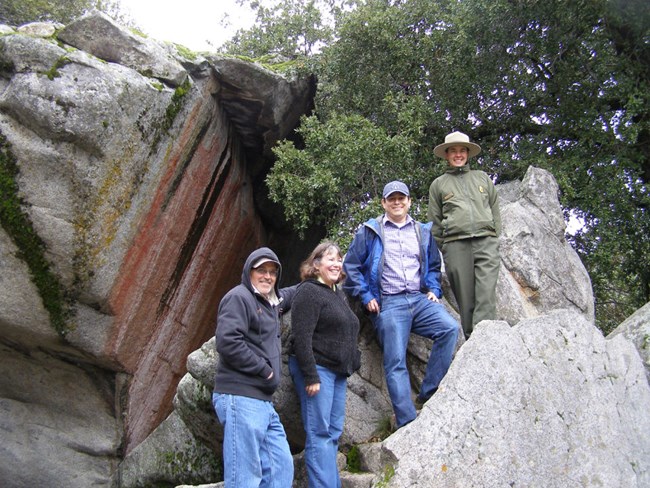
188,252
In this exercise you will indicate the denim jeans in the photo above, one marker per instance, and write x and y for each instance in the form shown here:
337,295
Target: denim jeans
255,448
323,416
400,315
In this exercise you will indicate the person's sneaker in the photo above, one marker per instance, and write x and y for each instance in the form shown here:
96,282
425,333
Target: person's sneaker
419,402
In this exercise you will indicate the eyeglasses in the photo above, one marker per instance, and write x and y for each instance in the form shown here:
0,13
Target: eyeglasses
263,272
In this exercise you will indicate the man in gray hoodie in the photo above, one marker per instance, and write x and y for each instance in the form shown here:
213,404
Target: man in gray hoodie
255,448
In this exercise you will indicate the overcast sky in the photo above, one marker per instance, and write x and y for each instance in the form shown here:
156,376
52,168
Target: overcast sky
192,23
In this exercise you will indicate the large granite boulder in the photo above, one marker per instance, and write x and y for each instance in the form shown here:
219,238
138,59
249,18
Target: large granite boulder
57,421
549,402
636,328
127,195
146,56
540,271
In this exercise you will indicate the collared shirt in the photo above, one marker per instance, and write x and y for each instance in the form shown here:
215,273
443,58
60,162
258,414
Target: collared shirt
401,257
331,287
272,298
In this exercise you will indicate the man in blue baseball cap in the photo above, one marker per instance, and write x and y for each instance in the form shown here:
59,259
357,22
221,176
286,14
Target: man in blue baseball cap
393,268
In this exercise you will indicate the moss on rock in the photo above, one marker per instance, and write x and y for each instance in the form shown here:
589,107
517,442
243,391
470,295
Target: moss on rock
31,248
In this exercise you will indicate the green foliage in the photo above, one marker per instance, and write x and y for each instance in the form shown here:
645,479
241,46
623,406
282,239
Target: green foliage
17,224
560,84
288,28
186,52
177,100
53,72
18,12
387,475
174,107
340,170
384,429
353,460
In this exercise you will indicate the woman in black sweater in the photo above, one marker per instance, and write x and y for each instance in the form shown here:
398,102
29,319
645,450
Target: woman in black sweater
323,354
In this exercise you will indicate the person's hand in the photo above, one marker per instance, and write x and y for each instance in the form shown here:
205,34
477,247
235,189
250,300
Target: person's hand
372,306
432,296
312,389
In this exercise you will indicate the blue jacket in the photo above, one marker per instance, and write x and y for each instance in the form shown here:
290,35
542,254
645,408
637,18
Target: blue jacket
364,262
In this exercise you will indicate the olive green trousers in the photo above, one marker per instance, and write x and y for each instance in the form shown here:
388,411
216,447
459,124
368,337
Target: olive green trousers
472,267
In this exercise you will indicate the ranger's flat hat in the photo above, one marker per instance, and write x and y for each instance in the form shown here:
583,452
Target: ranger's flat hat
457,139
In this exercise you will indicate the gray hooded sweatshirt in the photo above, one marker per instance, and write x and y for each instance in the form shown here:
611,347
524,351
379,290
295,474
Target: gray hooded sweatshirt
248,336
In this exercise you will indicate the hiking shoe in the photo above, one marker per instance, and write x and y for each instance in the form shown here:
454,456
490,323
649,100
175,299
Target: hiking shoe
419,402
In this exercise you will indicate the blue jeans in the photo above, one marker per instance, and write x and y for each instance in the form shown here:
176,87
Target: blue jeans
323,416
399,316
255,448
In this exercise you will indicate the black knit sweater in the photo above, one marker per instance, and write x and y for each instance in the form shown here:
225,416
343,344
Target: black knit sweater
324,331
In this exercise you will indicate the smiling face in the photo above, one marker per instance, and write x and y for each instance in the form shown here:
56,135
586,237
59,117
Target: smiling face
396,206
328,267
457,156
263,277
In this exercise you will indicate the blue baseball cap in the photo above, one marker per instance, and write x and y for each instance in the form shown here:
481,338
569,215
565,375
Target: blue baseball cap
395,186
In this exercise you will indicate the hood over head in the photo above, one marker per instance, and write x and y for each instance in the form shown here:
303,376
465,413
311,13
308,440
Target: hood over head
256,259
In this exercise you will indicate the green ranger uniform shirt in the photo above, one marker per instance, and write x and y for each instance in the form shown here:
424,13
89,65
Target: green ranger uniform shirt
463,204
